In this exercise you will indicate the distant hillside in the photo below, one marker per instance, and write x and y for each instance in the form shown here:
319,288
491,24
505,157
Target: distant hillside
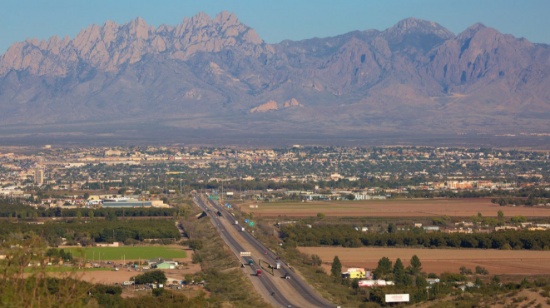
217,76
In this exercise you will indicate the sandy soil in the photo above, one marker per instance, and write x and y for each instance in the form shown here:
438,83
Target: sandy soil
395,208
522,298
512,262
111,277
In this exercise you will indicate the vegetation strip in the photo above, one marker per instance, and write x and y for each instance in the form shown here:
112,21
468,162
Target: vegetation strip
128,253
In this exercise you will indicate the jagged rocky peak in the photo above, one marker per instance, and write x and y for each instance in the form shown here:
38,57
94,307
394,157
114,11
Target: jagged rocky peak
226,18
414,34
415,25
481,37
139,28
476,30
107,47
225,24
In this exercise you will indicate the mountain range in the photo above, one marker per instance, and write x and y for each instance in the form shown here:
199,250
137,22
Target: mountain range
216,77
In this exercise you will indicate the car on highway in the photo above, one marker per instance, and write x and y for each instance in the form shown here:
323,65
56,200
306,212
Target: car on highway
287,276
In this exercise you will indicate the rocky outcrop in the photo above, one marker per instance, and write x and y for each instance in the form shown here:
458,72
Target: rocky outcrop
292,103
273,105
269,106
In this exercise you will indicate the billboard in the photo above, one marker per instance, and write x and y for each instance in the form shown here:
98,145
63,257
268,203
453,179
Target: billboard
397,298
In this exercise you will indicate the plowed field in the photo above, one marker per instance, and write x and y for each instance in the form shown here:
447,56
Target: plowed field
512,262
394,208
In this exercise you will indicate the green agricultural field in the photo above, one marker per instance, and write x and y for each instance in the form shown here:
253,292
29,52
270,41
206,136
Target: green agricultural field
128,253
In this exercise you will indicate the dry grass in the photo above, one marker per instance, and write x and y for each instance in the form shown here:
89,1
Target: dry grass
511,262
393,208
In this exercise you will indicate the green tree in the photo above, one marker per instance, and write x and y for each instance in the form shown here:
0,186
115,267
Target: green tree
316,260
158,292
416,266
111,216
421,282
500,215
518,219
336,269
383,269
399,274
391,228
195,245
156,276
320,216
53,255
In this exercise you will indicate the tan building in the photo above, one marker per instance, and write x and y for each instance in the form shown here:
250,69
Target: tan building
39,177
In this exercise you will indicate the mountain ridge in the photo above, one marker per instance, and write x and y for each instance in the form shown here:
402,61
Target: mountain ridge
414,76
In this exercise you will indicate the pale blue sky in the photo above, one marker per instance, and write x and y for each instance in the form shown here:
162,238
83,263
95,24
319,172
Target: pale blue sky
274,20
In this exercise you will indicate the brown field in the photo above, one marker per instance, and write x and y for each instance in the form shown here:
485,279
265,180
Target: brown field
510,262
393,208
111,277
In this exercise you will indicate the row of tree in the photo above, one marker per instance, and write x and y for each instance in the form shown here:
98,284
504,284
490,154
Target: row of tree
96,231
23,211
530,201
347,236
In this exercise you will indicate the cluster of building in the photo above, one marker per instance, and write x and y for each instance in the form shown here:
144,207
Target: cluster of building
124,202
144,168
366,279
156,263
101,201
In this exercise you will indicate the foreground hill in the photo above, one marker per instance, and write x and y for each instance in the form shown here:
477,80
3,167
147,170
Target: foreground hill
217,77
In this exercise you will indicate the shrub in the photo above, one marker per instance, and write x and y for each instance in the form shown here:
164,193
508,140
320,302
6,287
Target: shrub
481,270
158,292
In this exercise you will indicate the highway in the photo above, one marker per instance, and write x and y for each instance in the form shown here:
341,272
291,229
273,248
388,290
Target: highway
293,292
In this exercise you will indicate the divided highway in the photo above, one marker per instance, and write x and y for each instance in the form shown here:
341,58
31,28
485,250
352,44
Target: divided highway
293,292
